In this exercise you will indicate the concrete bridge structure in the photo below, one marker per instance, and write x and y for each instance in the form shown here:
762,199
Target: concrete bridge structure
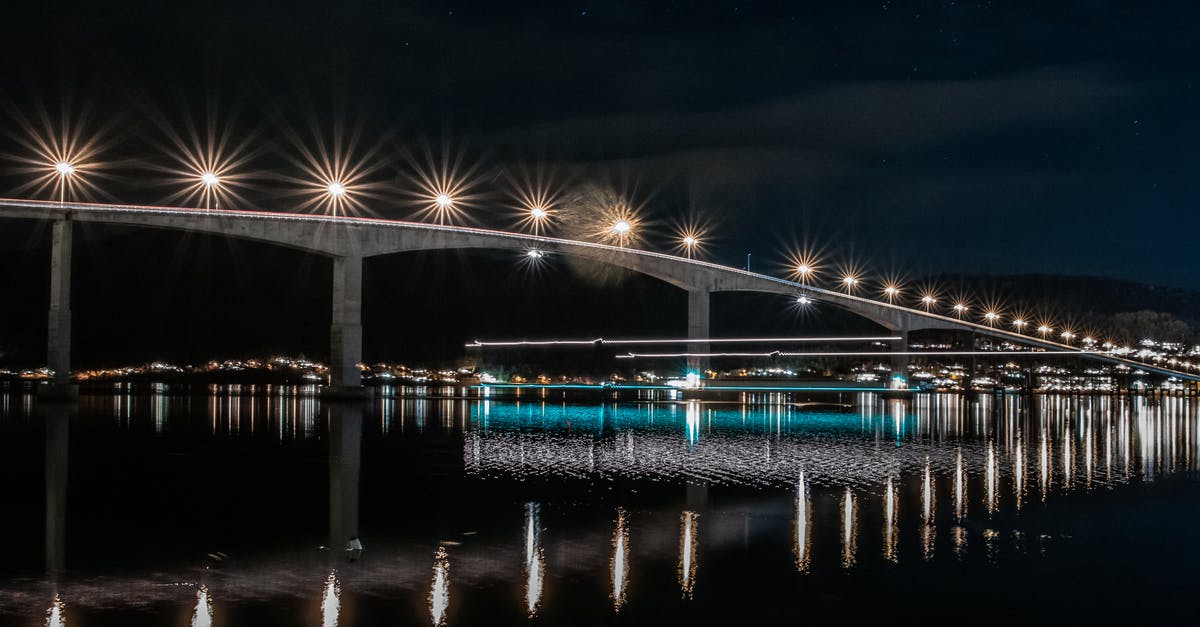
349,240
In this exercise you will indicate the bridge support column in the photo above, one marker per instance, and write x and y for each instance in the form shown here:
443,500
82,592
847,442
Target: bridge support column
698,329
58,341
900,362
345,333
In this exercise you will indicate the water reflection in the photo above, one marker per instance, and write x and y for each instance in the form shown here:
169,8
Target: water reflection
689,545
960,487
828,470
619,564
202,616
889,522
849,529
801,541
345,452
535,560
55,615
439,587
57,455
331,604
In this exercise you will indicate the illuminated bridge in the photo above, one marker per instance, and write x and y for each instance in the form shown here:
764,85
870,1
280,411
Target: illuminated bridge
348,240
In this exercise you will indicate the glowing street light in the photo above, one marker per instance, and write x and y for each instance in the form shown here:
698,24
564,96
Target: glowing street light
991,317
891,291
211,182
1019,324
534,253
960,308
803,300
336,189
804,271
928,301
64,169
1067,335
621,230
849,282
1044,330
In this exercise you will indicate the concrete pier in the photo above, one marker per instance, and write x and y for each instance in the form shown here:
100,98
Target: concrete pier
698,329
900,362
58,341
345,333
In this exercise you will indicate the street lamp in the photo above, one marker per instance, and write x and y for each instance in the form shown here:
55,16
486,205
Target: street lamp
64,169
210,180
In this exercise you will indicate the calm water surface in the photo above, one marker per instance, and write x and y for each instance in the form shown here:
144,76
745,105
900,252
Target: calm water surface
237,509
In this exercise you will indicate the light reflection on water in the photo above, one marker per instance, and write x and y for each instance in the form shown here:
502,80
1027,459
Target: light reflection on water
331,604
439,587
881,466
202,616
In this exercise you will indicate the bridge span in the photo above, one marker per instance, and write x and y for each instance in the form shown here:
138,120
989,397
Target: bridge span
349,240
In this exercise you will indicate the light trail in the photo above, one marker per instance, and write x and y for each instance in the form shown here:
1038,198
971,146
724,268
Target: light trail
860,354
715,340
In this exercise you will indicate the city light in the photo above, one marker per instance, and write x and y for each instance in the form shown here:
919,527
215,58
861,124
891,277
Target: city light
1019,323
991,317
336,189
928,301
803,300
209,179
960,308
891,291
1044,329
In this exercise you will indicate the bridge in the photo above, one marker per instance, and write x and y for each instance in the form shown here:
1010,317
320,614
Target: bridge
349,240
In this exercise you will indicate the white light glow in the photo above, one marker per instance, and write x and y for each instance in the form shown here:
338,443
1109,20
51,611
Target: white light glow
336,189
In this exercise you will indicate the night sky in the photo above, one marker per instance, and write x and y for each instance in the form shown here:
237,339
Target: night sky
905,137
